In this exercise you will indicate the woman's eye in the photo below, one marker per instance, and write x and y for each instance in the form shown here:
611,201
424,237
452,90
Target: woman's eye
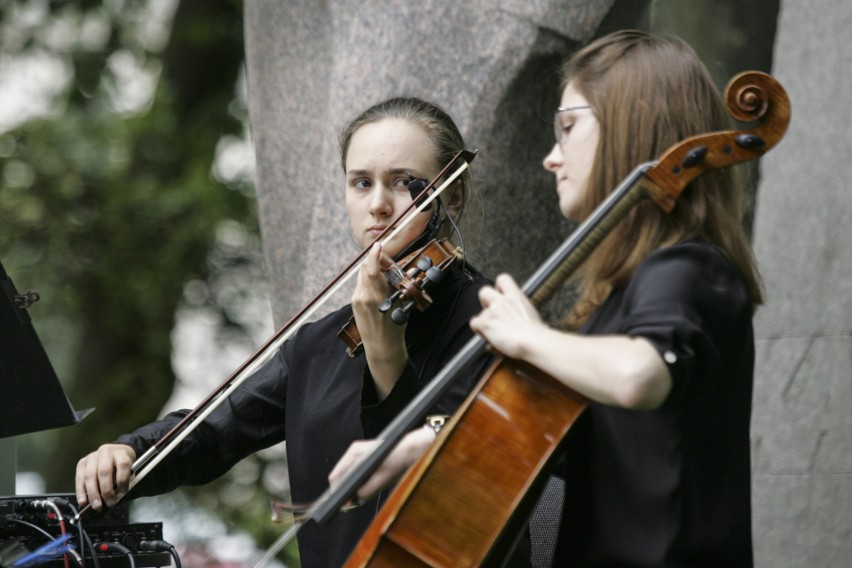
361,184
401,183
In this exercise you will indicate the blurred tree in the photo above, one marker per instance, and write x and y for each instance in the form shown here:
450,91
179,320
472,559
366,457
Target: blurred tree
113,208
108,206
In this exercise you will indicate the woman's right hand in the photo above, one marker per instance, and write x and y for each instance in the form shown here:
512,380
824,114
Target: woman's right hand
407,451
103,475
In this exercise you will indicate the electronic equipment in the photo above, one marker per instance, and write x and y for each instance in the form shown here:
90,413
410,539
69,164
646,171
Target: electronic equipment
26,519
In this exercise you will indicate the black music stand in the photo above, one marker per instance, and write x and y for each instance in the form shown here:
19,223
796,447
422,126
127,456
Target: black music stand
31,398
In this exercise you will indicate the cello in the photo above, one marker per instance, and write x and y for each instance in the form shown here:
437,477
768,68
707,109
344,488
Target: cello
460,505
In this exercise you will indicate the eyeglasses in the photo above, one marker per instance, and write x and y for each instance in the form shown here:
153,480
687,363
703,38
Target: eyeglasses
559,133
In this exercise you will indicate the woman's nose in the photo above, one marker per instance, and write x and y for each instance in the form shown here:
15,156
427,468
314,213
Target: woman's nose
554,159
380,201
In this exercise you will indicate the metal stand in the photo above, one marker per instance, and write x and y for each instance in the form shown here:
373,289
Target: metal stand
32,399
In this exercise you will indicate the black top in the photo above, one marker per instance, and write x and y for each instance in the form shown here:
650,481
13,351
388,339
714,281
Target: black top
671,486
320,400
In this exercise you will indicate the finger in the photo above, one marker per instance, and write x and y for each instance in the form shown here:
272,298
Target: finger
80,483
506,284
340,468
106,476
487,296
373,263
123,472
350,457
90,481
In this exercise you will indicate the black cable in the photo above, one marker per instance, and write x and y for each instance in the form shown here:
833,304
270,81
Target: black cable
116,547
32,526
85,536
160,546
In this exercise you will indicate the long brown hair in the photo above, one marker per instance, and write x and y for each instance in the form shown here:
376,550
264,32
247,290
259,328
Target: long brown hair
649,92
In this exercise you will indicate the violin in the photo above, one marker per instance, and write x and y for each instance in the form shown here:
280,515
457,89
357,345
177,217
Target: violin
459,505
412,278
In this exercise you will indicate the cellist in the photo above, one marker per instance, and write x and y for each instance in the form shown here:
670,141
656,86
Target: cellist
312,394
657,470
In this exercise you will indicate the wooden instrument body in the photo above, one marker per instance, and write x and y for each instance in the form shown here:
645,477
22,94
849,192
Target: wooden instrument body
451,509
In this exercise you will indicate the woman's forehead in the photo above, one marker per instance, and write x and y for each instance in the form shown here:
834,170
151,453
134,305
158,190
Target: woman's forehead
572,97
389,144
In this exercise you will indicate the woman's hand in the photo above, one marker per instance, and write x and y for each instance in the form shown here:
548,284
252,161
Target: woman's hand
508,319
617,370
384,341
410,448
103,475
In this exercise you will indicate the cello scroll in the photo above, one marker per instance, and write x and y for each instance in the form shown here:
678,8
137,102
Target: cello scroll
751,97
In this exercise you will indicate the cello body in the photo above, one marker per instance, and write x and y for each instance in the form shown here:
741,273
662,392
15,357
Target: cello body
462,503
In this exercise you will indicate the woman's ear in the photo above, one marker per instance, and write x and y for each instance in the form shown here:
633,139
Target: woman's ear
456,201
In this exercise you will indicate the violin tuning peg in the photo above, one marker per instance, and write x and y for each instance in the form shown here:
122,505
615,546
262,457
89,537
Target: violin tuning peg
400,315
424,264
388,302
434,275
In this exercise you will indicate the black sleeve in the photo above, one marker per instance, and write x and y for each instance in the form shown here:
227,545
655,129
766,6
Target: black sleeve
252,418
688,301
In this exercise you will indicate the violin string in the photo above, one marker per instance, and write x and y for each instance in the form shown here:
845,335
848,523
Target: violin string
394,274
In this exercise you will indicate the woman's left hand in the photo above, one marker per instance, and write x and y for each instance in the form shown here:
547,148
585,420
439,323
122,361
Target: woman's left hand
384,341
410,448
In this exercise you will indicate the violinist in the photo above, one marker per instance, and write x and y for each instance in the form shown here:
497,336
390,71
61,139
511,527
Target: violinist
657,469
312,394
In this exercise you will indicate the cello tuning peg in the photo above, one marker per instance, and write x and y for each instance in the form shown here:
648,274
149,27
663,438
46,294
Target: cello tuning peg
694,156
749,141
